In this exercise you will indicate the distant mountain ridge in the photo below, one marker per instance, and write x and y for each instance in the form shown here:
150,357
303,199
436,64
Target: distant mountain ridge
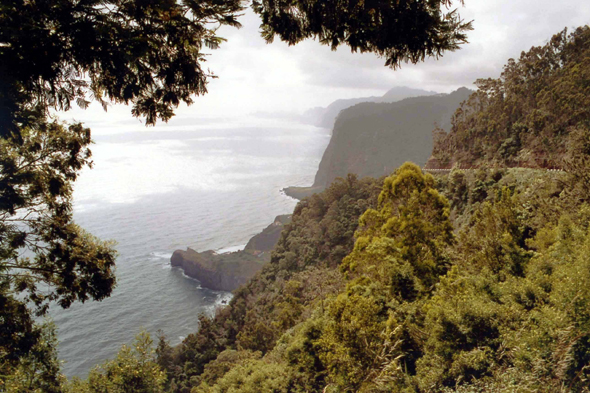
325,117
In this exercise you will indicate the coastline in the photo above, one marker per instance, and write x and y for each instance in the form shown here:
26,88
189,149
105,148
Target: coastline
228,268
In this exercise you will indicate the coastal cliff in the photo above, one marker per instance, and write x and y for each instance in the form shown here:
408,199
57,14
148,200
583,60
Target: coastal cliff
227,271
221,272
372,139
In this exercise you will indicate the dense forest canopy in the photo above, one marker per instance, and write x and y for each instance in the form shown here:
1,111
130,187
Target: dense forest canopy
535,115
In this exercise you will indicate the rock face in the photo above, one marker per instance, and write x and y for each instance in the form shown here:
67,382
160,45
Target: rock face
226,272
372,139
222,272
268,238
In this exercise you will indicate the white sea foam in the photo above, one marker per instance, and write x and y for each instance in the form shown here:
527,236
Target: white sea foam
229,249
161,255
223,299
190,278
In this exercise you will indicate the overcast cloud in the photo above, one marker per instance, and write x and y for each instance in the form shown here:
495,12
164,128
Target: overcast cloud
256,77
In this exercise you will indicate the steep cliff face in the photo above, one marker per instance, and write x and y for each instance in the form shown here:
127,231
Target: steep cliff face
372,139
226,272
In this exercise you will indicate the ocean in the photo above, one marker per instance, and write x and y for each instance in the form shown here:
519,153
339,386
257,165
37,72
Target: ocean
204,186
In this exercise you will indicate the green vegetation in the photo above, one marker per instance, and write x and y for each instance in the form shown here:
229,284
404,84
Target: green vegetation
535,115
134,370
148,54
38,370
478,281
475,281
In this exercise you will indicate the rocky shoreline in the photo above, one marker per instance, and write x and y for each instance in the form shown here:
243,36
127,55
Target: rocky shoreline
227,271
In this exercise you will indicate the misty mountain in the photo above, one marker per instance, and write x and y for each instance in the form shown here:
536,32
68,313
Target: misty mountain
324,117
372,139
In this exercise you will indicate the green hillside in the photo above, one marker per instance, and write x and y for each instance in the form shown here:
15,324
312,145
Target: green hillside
535,115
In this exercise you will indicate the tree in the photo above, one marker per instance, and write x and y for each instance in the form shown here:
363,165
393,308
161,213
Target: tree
38,371
44,255
370,335
134,370
402,243
399,31
150,53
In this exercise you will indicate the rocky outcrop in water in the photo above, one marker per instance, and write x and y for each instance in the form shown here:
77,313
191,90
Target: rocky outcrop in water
222,272
227,271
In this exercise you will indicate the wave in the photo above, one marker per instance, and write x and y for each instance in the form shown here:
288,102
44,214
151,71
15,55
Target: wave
161,255
223,299
191,278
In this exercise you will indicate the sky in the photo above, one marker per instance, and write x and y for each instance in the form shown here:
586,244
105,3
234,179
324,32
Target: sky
268,80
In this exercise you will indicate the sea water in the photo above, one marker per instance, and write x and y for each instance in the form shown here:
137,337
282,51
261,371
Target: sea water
157,191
